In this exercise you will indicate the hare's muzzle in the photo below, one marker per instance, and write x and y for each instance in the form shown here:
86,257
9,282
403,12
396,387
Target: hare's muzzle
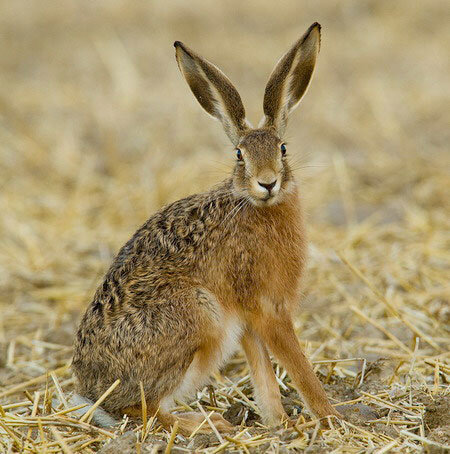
265,191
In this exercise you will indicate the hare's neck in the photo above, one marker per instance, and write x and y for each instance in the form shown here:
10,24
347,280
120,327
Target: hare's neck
281,224
260,255
283,217
238,209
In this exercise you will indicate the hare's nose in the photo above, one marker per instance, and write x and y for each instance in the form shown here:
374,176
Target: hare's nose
268,186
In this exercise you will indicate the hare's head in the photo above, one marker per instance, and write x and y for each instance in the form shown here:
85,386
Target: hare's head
262,172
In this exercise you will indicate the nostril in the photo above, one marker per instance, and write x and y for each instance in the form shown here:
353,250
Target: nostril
268,186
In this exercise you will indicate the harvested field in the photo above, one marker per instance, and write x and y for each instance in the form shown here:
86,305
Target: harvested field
98,130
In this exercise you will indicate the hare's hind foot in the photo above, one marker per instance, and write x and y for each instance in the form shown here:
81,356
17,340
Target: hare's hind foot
192,422
188,422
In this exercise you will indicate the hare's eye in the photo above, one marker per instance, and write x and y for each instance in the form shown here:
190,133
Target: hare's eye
238,154
283,149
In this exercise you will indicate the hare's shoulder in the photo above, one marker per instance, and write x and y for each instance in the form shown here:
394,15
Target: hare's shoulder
164,249
181,225
174,235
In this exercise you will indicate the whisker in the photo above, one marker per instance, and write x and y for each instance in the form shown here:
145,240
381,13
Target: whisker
241,207
236,208
294,169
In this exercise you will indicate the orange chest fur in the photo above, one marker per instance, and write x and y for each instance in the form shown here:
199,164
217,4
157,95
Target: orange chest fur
279,265
265,261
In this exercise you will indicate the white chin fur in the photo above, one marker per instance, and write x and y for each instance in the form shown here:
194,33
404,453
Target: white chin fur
267,202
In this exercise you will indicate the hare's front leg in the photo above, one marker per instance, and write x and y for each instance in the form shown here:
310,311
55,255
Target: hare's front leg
266,389
278,333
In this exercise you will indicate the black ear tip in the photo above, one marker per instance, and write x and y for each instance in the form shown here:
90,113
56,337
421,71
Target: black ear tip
316,24
186,50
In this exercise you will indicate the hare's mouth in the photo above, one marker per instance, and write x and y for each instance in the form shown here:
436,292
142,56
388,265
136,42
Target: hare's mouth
266,201
264,194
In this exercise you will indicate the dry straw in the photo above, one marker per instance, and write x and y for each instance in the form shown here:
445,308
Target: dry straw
97,131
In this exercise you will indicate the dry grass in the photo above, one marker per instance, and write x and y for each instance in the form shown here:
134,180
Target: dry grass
98,130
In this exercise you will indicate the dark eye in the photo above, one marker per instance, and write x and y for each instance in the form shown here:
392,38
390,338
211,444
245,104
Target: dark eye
238,154
283,149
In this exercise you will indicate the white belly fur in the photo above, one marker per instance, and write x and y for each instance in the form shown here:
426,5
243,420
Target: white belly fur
232,329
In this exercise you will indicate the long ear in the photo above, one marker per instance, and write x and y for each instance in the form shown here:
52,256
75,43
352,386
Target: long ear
290,79
214,91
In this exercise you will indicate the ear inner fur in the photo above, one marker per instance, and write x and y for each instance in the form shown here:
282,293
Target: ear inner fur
213,90
290,79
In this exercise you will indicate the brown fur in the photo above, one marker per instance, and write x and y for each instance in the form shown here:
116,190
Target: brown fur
202,273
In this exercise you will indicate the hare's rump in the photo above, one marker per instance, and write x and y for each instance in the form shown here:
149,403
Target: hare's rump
170,345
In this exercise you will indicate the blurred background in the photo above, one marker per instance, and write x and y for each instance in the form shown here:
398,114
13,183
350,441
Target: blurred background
98,130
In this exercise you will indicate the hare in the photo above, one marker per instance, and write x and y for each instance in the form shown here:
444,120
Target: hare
212,271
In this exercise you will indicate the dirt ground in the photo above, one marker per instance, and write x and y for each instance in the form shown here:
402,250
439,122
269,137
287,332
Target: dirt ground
98,131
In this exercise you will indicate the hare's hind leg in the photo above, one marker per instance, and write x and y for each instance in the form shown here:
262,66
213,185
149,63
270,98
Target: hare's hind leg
219,342
196,375
217,335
